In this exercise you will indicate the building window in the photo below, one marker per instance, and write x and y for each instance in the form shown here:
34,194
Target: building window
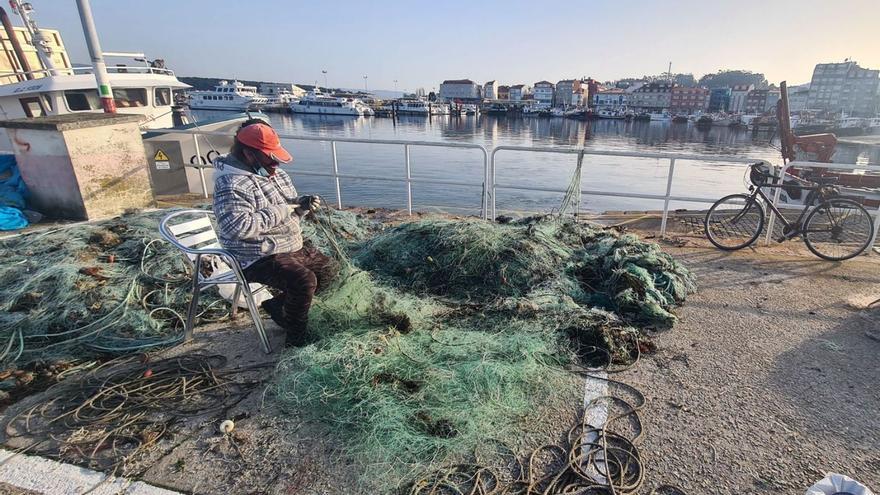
80,100
130,97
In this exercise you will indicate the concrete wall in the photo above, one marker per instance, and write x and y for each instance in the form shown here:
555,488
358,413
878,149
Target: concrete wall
82,166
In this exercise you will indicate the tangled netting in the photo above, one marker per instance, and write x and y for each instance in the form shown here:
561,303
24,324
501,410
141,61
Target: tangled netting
100,288
105,288
125,406
442,336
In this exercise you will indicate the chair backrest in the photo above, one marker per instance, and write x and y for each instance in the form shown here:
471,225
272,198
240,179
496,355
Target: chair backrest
191,231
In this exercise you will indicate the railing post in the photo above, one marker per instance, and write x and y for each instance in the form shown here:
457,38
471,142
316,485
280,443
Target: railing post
408,180
876,226
484,200
199,165
492,181
668,193
336,175
776,193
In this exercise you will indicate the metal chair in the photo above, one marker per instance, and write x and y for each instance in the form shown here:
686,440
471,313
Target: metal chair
196,237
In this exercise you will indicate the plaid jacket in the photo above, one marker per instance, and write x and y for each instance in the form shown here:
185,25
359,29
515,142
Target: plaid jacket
253,212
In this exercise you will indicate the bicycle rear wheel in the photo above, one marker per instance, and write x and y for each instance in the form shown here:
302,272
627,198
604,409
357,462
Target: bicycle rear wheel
734,222
838,229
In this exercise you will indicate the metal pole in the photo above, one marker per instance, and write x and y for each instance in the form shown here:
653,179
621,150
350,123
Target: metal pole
16,46
91,34
772,220
199,164
668,193
336,175
36,36
408,180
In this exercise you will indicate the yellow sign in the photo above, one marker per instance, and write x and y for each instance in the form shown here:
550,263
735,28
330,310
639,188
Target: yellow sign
161,156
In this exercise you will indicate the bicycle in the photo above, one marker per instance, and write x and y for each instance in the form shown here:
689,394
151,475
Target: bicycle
836,229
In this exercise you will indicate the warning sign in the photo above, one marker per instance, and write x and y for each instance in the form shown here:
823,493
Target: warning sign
162,161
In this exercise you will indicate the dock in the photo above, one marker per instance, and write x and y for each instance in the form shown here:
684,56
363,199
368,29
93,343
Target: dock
870,140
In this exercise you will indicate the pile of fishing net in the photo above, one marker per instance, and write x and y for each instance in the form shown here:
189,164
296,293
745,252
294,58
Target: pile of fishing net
103,288
441,336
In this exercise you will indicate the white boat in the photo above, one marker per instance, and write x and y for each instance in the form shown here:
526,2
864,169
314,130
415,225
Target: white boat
607,113
557,112
420,106
225,96
318,103
660,117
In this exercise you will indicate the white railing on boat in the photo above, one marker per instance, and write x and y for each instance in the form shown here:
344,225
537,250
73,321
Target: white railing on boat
490,185
112,69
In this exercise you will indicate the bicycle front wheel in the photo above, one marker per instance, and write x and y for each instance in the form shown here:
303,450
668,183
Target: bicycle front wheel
838,229
734,222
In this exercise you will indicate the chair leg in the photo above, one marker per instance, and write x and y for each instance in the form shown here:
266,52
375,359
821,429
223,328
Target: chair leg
189,326
258,321
235,297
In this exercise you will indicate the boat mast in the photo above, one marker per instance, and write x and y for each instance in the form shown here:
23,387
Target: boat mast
91,34
40,43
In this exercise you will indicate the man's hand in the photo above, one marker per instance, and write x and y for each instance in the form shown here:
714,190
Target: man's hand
310,203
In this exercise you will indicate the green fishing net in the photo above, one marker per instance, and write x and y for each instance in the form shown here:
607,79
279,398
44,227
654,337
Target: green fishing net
441,335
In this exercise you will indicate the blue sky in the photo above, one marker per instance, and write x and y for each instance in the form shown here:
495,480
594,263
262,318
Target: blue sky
421,43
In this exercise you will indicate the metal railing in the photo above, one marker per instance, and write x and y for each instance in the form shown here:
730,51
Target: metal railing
490,184
111,69
407,177
666,198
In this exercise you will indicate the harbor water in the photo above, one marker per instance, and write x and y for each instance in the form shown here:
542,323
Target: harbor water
712,178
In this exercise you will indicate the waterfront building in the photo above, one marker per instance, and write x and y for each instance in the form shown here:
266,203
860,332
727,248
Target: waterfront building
610,99
518,92
278,89
738,95
503,93
719,100
459,90
798,97
590,87
755,102
543,92
490,90
566,91
687,100
652,97
845,87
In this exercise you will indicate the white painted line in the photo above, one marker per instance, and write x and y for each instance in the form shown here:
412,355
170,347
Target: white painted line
52,477
595,414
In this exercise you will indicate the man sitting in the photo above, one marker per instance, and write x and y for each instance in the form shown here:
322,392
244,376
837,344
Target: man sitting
258,213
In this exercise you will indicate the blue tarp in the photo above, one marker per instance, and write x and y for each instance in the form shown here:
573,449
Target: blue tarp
13,195
12,218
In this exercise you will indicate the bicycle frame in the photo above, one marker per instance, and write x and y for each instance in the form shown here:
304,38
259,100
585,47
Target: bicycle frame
790,229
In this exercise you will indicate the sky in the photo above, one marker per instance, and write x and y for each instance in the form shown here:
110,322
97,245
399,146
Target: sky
419,44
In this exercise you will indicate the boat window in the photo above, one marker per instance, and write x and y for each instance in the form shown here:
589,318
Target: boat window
130,97
79,100
162,96
32,107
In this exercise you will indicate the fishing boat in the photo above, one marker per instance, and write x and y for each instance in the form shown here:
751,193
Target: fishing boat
317,103
606,113
420,106
659,117
496,109
235,97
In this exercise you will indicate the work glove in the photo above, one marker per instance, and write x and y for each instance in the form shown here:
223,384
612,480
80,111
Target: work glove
310,203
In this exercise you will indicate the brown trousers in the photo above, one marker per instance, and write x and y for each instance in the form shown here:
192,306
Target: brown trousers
298,276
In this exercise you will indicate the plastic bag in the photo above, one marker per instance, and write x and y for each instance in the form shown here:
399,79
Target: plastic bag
838,484
227,291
